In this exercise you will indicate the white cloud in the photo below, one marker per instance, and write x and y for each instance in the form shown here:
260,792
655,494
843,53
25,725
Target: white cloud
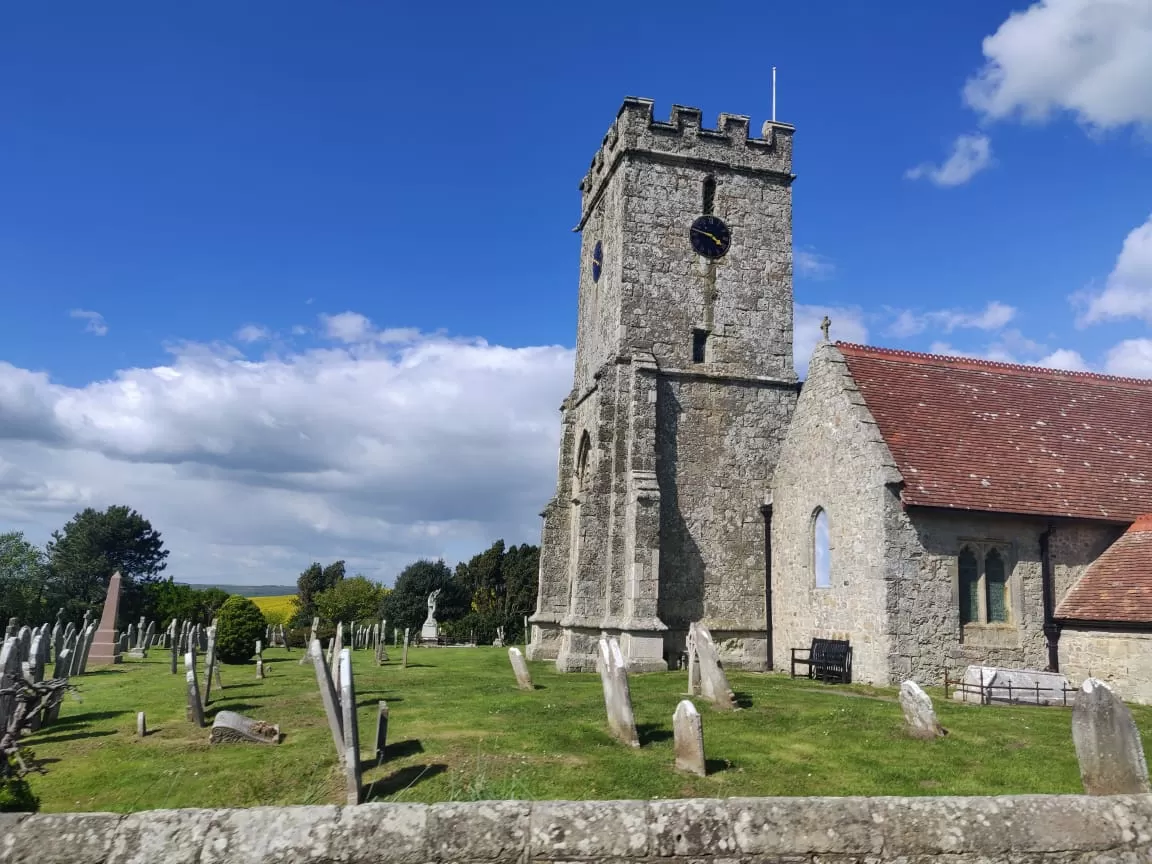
378,451
993,316
812,265
346,327
1064,358
847,326
1132,357
1128,291
970,155
96,323
1089,57
250,333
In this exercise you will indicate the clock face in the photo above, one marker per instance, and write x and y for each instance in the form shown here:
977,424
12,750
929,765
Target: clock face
597,261
710,236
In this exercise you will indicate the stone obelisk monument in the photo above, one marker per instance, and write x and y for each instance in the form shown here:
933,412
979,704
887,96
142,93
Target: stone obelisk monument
104,643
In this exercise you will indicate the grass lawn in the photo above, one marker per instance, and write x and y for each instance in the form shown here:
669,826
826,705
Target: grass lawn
460,730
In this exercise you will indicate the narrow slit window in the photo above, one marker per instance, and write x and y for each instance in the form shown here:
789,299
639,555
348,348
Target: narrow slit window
996,582
709,194
699,345
821,550
969,587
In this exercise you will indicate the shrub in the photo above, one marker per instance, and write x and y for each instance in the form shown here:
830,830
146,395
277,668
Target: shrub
15,793
240,623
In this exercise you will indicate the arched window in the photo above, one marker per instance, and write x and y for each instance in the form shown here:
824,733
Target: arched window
582,453
709,195
821,550
996,584
969,569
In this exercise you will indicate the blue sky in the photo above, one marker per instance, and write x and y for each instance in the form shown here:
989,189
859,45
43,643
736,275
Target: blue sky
249,252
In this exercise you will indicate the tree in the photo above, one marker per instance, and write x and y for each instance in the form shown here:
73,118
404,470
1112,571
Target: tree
501,585
94,545
356,599
26,591
165,600
406,605
313,581
240,625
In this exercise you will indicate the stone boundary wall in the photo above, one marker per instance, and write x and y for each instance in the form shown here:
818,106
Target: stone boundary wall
1016,829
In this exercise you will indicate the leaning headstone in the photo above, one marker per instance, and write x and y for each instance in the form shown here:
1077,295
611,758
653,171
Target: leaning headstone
36,659
334,660
351,727
9,674
328,697
228,727
195,706
404,656
520,667
713,682
689,738
693,663
141,725
1108,744
617,696
175,654
919,715
149,634
63,663
381,730
209,662
122,646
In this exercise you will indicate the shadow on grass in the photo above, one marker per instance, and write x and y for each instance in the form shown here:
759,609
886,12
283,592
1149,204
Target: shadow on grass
715,766
108,670
75,736
401,749
400,780
650,733
70,720
743,700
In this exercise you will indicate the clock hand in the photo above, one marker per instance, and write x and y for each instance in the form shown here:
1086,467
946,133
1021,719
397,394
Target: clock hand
711,237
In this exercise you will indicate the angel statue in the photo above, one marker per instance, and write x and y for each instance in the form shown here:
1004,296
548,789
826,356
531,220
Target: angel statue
432,604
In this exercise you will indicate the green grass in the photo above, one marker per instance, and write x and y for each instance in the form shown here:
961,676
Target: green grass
460,730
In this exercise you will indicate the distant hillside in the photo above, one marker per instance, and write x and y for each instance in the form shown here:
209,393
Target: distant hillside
252,590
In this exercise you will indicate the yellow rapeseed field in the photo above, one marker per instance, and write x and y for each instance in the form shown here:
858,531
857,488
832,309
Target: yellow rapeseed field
276,609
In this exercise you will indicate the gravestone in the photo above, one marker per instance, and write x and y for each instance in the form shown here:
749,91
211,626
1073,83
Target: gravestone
149,634
209,662
122,646
36,659
381,730
175,653
328,697
311,639
130,636
13,626
688,731
520,667
498,642
713,682
103,651
617,696
9,674
141,725
1108,745
404,656
195,706
993,685
334,654
919,715
63,663
693,663
228,727
351,727
430,632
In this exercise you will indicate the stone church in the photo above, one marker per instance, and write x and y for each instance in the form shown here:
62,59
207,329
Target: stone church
934,511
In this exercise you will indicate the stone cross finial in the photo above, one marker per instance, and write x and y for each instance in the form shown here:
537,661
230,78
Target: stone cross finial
825,326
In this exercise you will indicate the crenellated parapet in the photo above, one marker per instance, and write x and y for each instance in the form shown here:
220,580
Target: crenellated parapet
684,138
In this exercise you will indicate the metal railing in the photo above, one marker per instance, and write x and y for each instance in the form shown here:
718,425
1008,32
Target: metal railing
1008,694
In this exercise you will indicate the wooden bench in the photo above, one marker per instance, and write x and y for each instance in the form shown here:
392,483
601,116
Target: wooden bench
827,660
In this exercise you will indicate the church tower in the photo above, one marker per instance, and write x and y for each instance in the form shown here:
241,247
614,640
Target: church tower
684,386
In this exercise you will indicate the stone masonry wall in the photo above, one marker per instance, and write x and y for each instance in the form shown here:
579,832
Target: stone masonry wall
832,458
1123,660
1069,829
927,605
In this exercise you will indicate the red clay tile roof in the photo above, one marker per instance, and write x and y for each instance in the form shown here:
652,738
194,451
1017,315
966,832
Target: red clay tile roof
1117,587
978,435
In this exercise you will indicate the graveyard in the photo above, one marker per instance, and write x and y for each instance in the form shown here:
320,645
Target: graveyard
460,729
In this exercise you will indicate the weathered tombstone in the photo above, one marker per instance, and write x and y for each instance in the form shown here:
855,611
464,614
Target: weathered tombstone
381,730
693,663
311,639
228,727
713,682
1108,744
404,656
260,668
149,634
36,659
919,715
351,727
689,738
141,725
498,642
328,697
334,657
13,626
617,696
209,662
175,653
130,636
9,673
103,651
991,684
520,667
122,646
63,663
195,706
527,634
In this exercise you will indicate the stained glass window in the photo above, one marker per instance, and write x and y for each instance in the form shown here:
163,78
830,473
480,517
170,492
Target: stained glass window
969,587
996,584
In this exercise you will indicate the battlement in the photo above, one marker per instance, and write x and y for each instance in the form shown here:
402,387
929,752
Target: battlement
683,137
